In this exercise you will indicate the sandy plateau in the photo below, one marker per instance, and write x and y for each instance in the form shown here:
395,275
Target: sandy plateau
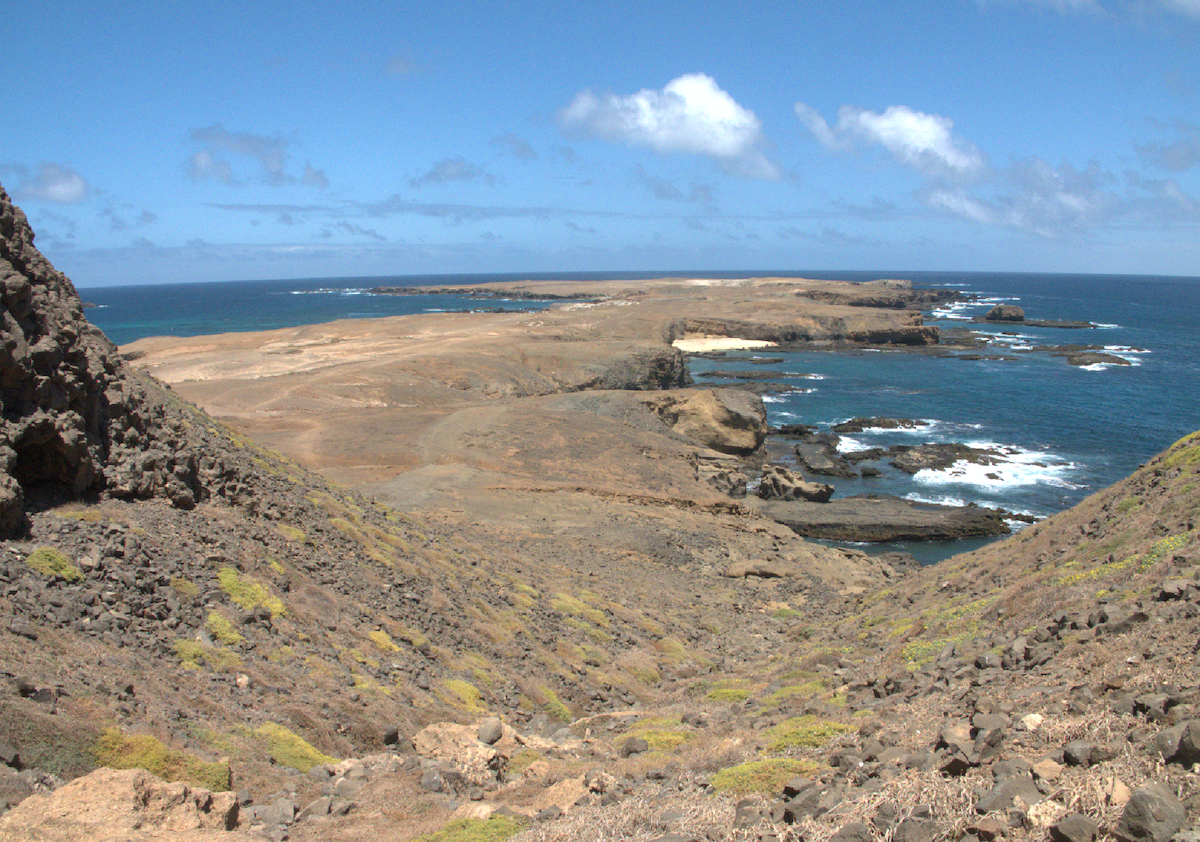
541,429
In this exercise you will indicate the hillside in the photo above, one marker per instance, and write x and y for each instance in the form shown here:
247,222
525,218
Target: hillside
598,646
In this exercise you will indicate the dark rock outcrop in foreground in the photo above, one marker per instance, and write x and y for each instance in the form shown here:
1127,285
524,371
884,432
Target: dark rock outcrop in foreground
76,421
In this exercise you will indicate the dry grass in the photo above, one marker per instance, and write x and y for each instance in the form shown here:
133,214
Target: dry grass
640,818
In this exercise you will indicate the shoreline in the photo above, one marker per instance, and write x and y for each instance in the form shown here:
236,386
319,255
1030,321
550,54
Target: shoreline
383,405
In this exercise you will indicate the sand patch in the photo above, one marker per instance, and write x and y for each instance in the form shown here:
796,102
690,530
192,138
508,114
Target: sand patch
700,344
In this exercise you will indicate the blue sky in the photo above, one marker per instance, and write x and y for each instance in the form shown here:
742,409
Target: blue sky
187,141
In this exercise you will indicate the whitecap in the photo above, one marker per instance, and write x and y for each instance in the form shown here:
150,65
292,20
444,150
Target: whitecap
1095,367
773,399
1104,326
1022,468
849,445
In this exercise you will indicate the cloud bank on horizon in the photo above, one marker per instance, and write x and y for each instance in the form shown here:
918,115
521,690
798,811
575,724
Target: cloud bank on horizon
960,135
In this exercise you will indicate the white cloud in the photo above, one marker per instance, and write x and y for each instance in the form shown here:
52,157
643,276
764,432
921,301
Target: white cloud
690,114
925,142
270,153
55,183
960,204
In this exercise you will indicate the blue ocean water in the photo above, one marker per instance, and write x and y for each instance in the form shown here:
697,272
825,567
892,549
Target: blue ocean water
1067,430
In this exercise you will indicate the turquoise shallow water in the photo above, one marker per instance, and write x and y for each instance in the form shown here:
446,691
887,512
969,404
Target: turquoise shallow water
1068,431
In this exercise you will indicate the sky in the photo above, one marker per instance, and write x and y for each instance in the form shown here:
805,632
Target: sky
191,141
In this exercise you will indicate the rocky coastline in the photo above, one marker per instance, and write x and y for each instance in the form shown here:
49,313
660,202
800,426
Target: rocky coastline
512,576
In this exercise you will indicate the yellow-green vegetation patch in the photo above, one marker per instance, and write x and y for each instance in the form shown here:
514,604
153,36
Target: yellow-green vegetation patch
193,654
383,640
291,533
1184,452
491,829
554,705
290,749
803,732
728,694
248,594
463,694
521,761
415,638
185,587
141,751
764,776
1135,563
50,562
662,733
567,604
786,614
222,629
807,689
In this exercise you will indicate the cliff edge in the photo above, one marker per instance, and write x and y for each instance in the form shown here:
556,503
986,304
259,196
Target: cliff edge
76,421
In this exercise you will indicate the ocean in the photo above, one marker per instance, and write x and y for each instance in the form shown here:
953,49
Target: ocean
1065,430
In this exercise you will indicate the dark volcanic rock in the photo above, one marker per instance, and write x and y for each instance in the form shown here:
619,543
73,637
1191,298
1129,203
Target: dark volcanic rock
1005,313
937,456
76,420
857,425
818,455
885,518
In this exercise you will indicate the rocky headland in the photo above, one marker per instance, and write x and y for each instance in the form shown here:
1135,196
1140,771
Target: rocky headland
488,576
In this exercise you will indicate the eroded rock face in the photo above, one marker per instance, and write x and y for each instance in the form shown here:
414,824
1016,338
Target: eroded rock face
74,420
726,420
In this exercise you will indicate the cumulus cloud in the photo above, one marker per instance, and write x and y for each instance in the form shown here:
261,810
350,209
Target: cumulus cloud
55,183
690,114
453,169
925,142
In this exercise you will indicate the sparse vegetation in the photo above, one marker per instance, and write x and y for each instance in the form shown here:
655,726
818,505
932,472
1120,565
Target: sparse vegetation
51,562
492,829
289,749
117,750
248,594
760,776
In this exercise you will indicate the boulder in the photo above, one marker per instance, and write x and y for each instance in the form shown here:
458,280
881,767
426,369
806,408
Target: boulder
1153,814
778,483
459,746
129,804
1005,313
726,420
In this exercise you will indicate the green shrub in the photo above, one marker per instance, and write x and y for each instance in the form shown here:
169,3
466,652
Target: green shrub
289,749
222,629
141,751
803,732
491,829
764,776
728,694
50,562
248,594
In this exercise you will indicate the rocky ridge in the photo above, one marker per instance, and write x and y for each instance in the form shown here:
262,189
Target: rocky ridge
75,420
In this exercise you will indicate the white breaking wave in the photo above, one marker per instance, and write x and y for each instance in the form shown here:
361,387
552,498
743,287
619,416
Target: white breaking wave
1022,468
